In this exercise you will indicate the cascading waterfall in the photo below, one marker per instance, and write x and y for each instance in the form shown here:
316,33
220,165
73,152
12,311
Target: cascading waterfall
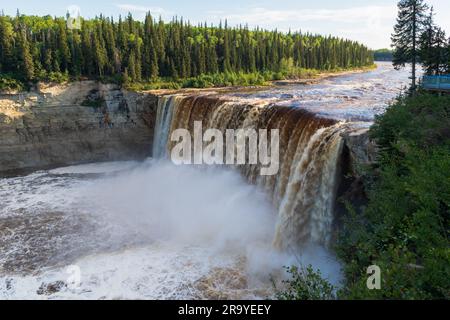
310,147
162,126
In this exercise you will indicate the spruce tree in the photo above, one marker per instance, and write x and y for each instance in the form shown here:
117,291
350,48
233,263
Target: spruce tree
131,69
125,77
24,59
63,46
6,42
448,56
440,52
433,48
405,39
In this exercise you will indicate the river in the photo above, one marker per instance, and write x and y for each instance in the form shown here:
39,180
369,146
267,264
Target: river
152,230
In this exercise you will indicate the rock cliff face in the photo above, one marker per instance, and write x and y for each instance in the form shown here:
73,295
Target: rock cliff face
362,152
358,155
81,122
88,121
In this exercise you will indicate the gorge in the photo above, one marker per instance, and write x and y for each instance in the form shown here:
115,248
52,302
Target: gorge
248,225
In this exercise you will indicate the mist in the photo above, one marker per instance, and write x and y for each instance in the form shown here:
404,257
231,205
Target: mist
210,207
185,205
152,229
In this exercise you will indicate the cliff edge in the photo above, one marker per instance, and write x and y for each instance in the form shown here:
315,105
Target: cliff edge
74,123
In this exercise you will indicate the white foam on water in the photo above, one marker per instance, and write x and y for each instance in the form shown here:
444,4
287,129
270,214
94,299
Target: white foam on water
158,232
152,272
100,167
153,230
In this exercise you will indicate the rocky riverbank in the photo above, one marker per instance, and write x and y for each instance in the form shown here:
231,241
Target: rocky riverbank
75,123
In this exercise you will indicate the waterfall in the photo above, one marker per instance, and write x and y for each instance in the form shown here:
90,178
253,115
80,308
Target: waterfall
162,126
304,190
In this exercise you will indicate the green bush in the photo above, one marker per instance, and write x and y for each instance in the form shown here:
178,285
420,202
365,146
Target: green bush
56,77
224,80
155,85
7,82
406,225
305,284
422,121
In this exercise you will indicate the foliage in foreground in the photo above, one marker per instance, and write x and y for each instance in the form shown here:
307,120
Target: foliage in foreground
305,284
405,227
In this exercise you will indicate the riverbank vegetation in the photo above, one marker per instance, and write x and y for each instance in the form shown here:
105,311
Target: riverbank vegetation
405,227
305,283
156,54
238,79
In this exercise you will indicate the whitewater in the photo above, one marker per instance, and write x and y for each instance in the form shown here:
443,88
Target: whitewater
153,230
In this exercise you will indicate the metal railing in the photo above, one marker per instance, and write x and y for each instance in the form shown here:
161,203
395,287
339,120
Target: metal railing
441,82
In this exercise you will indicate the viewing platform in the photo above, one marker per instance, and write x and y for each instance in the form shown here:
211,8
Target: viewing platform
436,83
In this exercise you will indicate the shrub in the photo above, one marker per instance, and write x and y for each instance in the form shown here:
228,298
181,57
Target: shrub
56,77
305,284
405,227
7,82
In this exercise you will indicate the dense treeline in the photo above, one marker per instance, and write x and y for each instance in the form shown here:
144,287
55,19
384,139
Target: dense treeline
35,48
383,55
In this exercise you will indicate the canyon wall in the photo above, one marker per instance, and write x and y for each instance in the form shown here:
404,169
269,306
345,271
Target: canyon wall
70,124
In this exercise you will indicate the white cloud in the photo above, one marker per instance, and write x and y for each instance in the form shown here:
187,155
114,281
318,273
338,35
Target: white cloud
141,9
357,14
369,24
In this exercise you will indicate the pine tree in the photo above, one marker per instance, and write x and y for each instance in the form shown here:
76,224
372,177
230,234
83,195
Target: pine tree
137,58
125,77
441,52
6,41
407,31
433,47
86,48
99,51
63,46
77,55
448,56
25,60
226,51
132,66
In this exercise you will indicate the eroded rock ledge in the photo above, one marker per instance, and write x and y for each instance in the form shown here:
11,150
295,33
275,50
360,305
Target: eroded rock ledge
88,121
70,124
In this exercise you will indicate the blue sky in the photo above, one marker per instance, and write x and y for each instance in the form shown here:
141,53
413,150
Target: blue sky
367,21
